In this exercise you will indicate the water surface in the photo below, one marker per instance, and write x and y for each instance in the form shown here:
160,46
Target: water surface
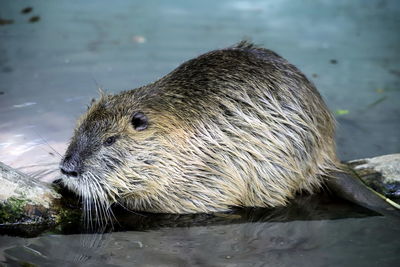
346,242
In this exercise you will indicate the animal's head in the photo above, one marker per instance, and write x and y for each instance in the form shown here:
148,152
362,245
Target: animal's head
127,151
110,151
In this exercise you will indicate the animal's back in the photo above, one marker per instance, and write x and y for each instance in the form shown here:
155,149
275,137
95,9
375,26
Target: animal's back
255,129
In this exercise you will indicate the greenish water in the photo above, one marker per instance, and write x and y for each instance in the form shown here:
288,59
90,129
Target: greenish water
50,69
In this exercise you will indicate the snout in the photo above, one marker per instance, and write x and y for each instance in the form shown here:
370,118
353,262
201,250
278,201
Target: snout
71,166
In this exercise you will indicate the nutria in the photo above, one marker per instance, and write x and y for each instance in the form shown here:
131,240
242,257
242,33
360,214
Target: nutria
239,126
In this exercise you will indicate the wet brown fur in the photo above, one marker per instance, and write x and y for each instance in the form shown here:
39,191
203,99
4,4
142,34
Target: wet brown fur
234,127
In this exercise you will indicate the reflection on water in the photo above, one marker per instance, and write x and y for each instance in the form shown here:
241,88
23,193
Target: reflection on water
370,241
26,146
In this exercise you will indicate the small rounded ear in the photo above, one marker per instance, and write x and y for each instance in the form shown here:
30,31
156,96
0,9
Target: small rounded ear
139,121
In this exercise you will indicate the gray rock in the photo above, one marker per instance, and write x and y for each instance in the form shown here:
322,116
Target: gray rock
380,173
23,198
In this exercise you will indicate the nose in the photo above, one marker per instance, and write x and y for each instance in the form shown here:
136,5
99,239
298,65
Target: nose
70,166
69,171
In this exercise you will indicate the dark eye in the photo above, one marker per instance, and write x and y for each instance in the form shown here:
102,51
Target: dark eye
110,140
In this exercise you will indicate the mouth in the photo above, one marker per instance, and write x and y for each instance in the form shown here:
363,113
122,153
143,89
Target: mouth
95,199
71,184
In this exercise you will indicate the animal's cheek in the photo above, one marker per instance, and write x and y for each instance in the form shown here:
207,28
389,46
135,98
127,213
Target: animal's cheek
92,161
127,184
93,167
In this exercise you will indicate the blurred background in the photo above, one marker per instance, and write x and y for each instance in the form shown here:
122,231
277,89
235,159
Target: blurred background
54,55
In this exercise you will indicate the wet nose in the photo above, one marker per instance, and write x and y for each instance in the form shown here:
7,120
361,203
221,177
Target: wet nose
69,171
70,167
